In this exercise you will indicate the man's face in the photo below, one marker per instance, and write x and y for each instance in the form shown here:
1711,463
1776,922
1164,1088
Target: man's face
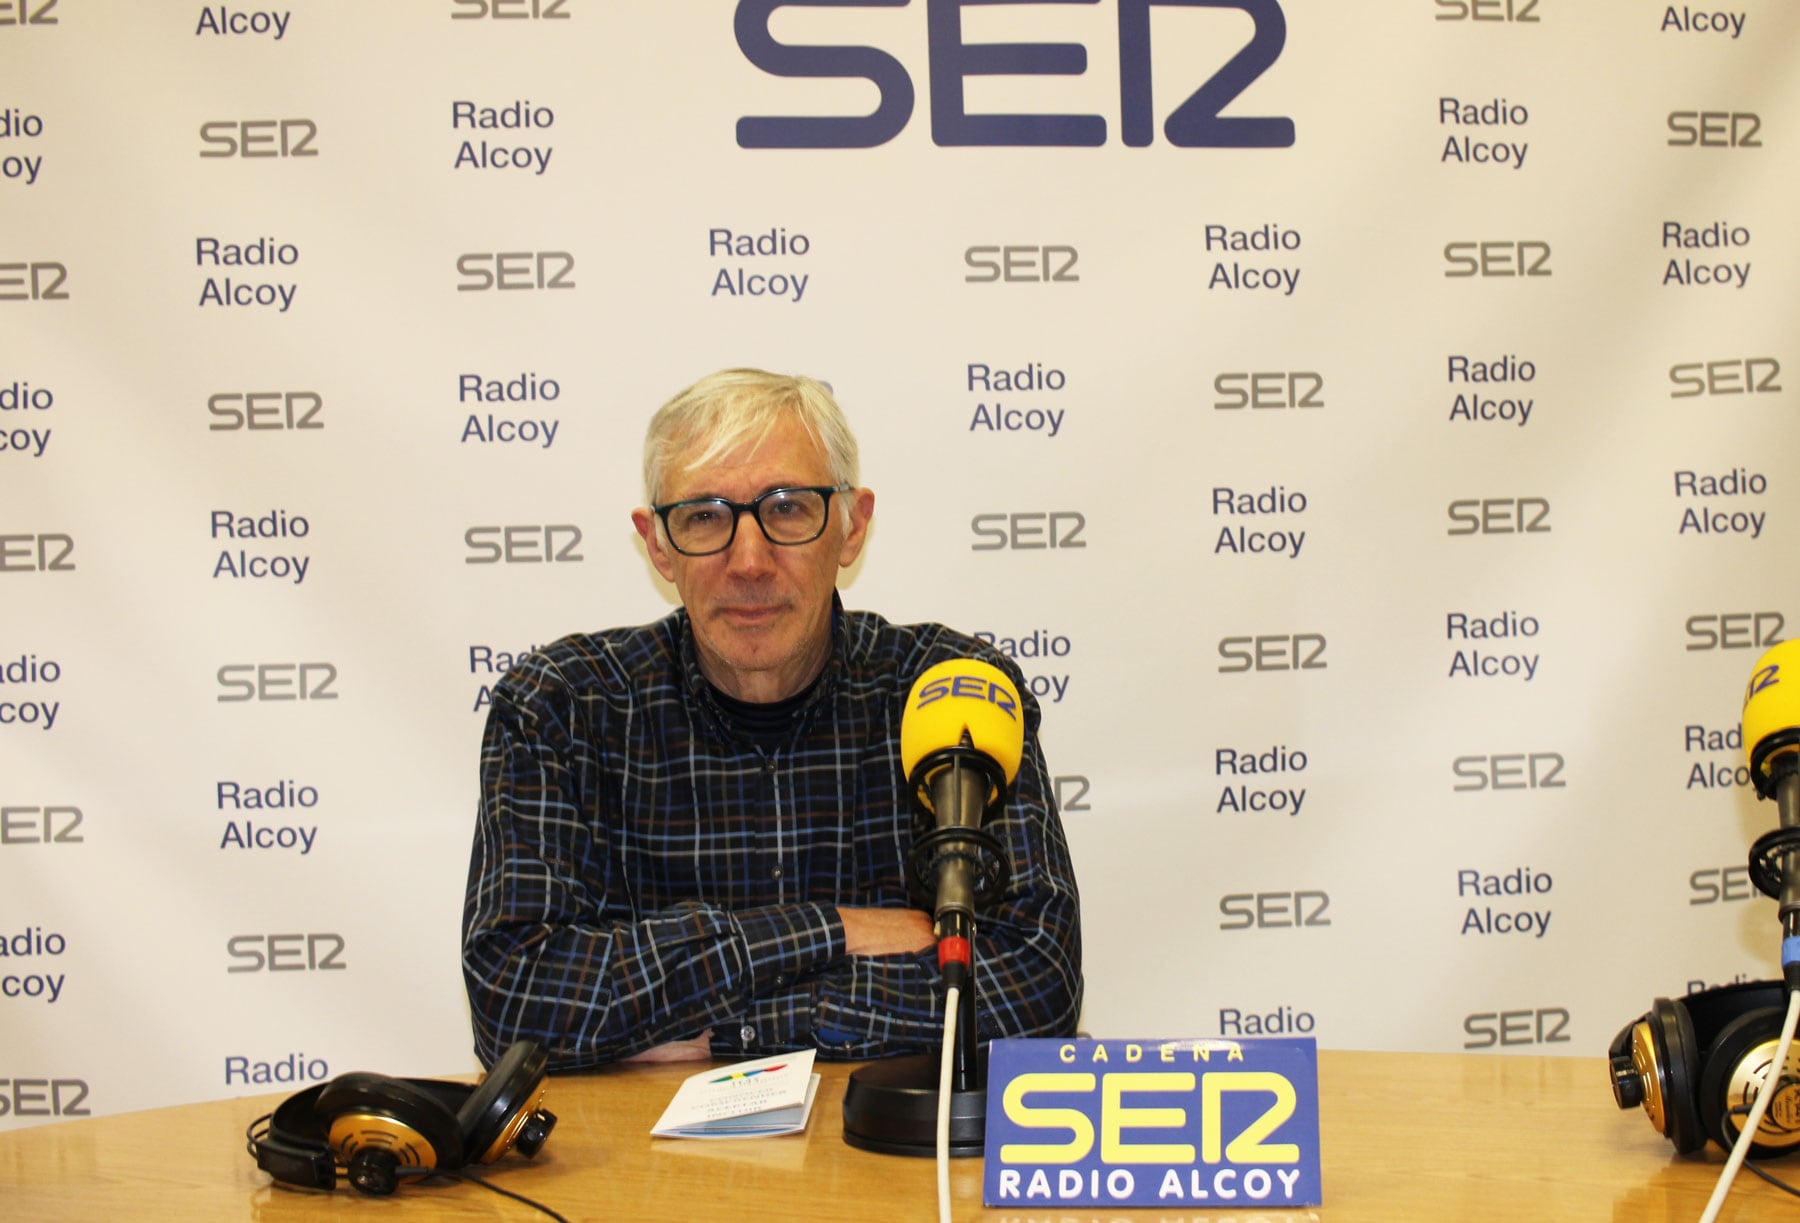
761,612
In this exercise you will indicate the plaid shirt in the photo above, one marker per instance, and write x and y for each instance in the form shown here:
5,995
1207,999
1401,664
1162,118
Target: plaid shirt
642,873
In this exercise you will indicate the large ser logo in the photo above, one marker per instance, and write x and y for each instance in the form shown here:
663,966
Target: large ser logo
510,10
1196,122
1522,11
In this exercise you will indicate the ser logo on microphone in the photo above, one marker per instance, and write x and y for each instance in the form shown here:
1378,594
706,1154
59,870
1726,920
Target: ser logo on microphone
1765,677
969,687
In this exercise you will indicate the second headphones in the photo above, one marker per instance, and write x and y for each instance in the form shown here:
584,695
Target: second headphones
379,1130
1695,1064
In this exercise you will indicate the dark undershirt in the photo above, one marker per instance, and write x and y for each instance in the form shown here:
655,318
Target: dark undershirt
766,724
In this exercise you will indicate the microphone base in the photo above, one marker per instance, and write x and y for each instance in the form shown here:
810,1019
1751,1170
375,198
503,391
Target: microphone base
891,1107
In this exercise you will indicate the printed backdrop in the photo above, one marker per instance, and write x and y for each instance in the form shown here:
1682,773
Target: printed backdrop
1371,427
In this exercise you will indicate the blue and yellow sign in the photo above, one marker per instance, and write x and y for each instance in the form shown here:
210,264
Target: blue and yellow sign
1203,1122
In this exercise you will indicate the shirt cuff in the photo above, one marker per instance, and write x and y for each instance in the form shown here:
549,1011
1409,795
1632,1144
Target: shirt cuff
783,941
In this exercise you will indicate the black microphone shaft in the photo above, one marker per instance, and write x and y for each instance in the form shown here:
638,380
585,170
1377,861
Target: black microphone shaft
1787,804
959,794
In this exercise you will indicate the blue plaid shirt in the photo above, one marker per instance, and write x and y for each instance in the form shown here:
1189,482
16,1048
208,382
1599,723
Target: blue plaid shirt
642,872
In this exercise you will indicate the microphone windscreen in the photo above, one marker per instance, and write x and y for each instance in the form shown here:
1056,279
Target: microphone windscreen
1772,699
961,695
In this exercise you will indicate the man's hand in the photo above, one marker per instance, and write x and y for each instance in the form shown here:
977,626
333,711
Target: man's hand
885,931
697,1049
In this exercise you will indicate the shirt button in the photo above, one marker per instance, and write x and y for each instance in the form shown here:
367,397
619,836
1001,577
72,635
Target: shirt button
747,1034
775,871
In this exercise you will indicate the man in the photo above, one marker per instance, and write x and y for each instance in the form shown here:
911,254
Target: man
692,834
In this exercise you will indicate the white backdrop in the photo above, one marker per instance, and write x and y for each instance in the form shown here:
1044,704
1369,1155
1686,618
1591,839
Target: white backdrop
1452,765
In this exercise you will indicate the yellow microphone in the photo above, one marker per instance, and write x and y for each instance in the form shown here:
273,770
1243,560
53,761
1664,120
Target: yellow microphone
1772,741
961,738
1772,717
966,703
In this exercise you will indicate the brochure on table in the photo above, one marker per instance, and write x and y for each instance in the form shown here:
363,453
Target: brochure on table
759,1099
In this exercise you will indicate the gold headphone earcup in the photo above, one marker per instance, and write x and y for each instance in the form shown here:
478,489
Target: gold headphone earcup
378,1127
1736,1064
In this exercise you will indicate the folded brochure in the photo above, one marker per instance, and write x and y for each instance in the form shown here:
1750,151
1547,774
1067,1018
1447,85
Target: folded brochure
772,1095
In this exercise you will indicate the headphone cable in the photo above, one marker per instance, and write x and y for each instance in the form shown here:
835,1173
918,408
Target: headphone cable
465,1178
1760,1171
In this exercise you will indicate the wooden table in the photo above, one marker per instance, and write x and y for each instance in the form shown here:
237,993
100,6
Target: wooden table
1404,1137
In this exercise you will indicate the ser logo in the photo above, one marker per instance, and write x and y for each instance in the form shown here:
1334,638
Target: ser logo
1496,259
1274,910
40,826
41,281
1072,793
1720,885
265,410
518,10
258,138
1025,532
1272,652
1544,1025
28,12
1021,263
44,1097
1715,129
1499,516
285,953
514,270
1735,630
277,681
1268,389
523,545
1196,122
970,687
1521,11
1737,376
37,553
1509,771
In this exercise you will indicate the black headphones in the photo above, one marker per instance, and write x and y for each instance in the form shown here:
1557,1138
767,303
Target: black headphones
379,1129
1696,1063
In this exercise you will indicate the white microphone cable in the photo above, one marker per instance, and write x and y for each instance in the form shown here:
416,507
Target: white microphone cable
1771,1081
946,1064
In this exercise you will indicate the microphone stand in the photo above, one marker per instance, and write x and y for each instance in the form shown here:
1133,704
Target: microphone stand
1775,770
891,1106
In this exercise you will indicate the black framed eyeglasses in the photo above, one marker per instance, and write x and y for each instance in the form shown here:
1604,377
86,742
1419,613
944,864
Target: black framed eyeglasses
702,526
